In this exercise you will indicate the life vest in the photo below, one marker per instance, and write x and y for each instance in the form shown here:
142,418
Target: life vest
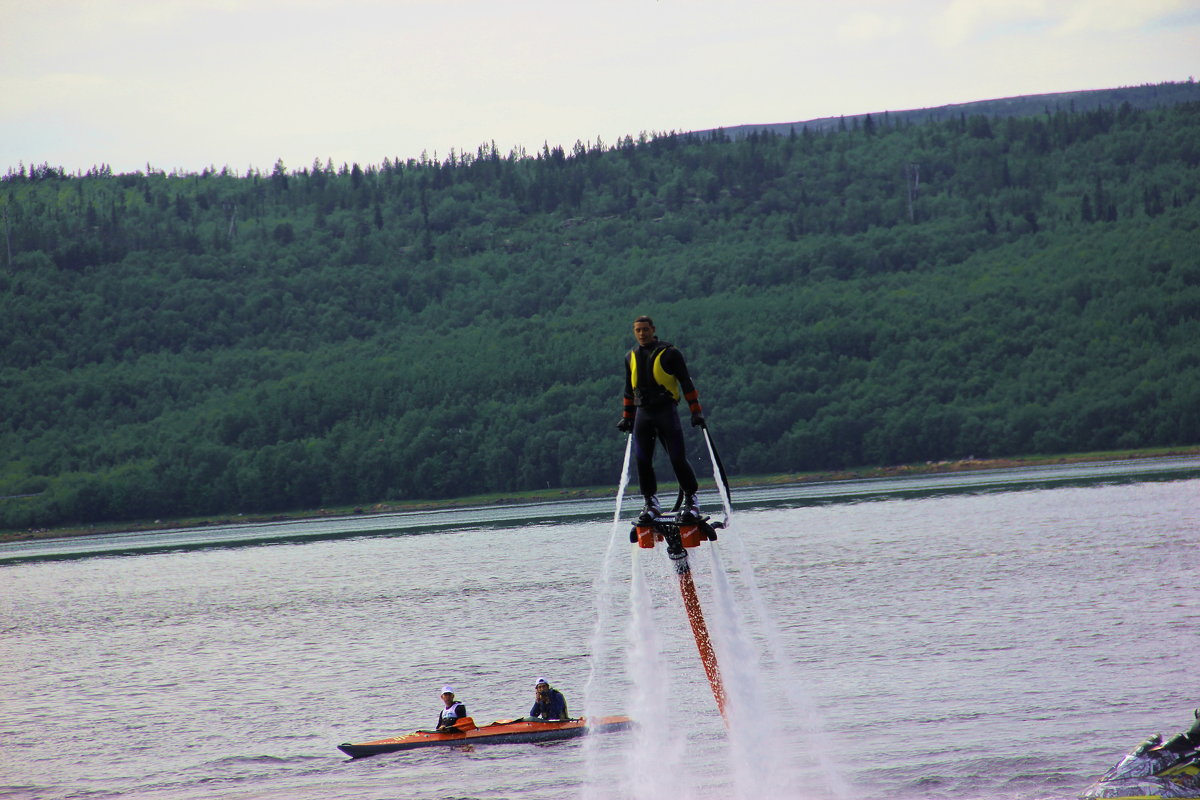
456,710
665,384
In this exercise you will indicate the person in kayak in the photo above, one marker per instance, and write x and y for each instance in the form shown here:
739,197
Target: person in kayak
549,702
656,377
453,712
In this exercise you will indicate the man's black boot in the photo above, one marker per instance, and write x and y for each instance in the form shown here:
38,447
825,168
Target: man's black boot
689,512
650,511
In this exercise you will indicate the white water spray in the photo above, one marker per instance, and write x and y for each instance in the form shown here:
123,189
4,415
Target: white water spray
654,761
775,747
604,661
760,724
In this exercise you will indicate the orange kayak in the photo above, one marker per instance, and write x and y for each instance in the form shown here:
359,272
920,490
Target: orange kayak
504,731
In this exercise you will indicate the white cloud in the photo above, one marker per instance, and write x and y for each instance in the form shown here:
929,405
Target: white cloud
1107,16
51,91
866,27
965,20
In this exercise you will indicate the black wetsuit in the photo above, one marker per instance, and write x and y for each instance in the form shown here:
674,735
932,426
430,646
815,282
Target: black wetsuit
650,399
1187,740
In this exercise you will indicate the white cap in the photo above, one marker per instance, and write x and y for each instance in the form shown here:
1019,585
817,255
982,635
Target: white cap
447,690
540,681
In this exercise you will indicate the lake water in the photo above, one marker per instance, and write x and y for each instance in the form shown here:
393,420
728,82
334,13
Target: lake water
1003,636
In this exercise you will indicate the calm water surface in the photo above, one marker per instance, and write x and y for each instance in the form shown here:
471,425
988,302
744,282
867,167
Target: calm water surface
1007,644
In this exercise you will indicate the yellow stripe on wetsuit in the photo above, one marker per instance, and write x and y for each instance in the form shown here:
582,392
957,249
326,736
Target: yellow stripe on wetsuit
661,376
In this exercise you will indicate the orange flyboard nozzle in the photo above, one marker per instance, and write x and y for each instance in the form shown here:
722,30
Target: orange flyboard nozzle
690,535
645,536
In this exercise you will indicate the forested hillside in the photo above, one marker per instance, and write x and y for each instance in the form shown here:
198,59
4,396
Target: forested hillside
328,335
1143,97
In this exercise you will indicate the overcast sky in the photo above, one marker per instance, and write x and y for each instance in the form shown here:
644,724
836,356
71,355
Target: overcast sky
187,84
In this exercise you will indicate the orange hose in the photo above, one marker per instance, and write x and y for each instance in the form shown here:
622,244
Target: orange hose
708,656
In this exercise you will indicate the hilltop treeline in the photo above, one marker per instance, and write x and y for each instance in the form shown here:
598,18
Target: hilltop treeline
1144,97
202,343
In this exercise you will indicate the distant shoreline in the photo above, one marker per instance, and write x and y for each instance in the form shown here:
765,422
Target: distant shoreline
499,499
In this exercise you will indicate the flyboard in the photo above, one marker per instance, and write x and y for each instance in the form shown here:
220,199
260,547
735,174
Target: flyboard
680,534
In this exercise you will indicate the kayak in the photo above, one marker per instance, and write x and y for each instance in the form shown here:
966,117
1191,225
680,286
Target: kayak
504,731
1149,772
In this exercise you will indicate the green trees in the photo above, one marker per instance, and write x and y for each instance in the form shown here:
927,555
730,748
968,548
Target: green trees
191,344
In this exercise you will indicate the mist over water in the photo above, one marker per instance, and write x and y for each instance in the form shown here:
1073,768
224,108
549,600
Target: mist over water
1004,645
